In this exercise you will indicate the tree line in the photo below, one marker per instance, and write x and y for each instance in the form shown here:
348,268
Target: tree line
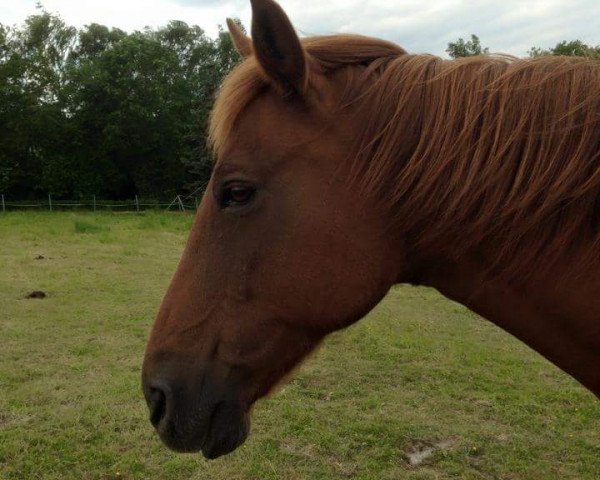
472,47
99,111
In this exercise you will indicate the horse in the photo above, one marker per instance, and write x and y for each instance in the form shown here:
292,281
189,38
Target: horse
345,165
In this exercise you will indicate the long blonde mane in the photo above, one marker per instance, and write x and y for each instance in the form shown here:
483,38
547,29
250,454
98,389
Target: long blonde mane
489,151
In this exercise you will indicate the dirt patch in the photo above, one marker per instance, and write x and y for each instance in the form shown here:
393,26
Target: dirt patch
37,294
344,469
422,450
7,419
40,257
295,447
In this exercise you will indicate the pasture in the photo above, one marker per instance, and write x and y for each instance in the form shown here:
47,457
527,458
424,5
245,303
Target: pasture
419,370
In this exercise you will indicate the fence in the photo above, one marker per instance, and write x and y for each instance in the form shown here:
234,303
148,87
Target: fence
181,203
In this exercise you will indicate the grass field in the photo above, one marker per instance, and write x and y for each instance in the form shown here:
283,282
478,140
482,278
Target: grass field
418,371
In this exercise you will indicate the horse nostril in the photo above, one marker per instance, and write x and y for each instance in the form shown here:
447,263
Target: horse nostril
157,402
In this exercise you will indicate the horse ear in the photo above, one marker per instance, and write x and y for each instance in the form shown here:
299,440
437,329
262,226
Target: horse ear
242,43
278,48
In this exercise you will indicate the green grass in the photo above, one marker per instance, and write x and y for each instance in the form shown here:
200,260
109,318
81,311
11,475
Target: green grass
419,369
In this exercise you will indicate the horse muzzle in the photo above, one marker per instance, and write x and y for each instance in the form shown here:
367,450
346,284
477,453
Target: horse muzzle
194,412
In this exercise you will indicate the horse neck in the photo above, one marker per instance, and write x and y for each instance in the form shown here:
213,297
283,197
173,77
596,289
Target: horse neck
558,319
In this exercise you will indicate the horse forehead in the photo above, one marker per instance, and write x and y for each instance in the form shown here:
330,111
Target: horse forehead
273,125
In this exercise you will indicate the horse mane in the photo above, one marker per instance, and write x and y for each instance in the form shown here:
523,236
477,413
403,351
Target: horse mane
247,81
483,152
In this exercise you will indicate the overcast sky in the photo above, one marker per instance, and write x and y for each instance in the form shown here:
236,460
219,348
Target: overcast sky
420,26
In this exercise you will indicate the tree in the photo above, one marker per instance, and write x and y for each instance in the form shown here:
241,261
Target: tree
462,48
31,105
13,103
572,48
197,157
105,112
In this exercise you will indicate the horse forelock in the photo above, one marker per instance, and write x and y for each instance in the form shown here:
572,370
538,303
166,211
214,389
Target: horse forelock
483,150
247,80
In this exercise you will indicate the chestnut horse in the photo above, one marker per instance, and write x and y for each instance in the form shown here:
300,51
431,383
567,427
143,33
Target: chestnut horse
344,166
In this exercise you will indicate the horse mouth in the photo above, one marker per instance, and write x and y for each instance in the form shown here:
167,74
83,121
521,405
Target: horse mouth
226,429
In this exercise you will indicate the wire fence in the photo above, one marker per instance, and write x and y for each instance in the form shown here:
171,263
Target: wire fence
179,203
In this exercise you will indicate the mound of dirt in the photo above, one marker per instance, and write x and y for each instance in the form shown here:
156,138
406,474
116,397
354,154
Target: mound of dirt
420,451
37,294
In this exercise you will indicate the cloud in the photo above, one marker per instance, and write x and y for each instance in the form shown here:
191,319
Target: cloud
509,26
198,3
211,3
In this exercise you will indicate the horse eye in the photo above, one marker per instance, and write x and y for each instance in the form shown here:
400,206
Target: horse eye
236,195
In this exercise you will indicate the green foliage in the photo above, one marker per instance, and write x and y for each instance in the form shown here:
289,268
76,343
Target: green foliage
573,48
105,112
469,48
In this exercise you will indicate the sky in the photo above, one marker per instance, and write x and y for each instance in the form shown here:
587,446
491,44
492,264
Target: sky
420,26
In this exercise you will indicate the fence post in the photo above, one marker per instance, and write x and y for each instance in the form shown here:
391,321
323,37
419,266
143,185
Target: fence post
3,205
181,207
137,204
94,202
50,201
196,202
172,203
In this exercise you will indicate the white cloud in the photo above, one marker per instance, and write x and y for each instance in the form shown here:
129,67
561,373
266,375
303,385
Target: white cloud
511,26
